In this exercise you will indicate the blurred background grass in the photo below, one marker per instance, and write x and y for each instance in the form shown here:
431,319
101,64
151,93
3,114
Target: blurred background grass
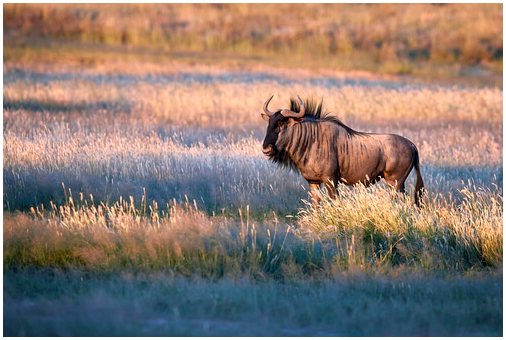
428,40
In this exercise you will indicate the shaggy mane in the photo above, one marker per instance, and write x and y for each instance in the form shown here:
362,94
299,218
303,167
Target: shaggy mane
316,112
305,132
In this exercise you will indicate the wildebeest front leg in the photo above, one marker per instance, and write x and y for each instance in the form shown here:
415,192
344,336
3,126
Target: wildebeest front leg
331,189
314,189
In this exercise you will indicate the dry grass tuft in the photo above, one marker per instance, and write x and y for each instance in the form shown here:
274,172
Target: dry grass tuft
374,225
180,239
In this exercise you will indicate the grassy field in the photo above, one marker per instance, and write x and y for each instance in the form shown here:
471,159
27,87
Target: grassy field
137,200
401,39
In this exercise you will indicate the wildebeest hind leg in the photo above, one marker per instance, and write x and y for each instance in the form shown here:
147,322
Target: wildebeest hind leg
395,183
398,181
400,187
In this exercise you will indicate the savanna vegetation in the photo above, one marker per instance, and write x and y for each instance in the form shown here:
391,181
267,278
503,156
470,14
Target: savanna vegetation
431,40
137,200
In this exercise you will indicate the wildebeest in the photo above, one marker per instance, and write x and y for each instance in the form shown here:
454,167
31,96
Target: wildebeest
327,151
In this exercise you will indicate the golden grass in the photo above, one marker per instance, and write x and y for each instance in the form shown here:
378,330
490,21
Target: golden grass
391,35
220,172
363,228
123,235
222,104
374,224
59,146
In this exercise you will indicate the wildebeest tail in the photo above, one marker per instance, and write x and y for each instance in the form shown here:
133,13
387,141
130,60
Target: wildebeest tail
419,188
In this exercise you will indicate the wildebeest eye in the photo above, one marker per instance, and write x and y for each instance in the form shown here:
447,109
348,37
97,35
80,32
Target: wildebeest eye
277,129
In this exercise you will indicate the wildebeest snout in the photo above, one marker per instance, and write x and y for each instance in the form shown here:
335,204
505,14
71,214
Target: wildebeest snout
268,150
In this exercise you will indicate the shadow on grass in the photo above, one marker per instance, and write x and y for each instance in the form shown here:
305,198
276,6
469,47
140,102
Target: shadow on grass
26,191
228,188
56,107
74,303
231,77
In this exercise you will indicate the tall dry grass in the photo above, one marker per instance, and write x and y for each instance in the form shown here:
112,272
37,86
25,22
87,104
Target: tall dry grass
379,226
390,34
363,228
200,135
177,238
218,172
227,99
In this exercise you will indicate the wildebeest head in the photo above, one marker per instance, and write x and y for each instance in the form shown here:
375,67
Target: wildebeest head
278,121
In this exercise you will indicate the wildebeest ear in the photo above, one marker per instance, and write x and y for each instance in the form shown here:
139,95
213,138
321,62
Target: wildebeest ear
265,117
293,121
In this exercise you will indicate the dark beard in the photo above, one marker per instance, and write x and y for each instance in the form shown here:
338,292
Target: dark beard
282,158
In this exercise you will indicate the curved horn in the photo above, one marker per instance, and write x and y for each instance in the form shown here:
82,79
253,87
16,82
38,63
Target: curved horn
290,113
266,110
